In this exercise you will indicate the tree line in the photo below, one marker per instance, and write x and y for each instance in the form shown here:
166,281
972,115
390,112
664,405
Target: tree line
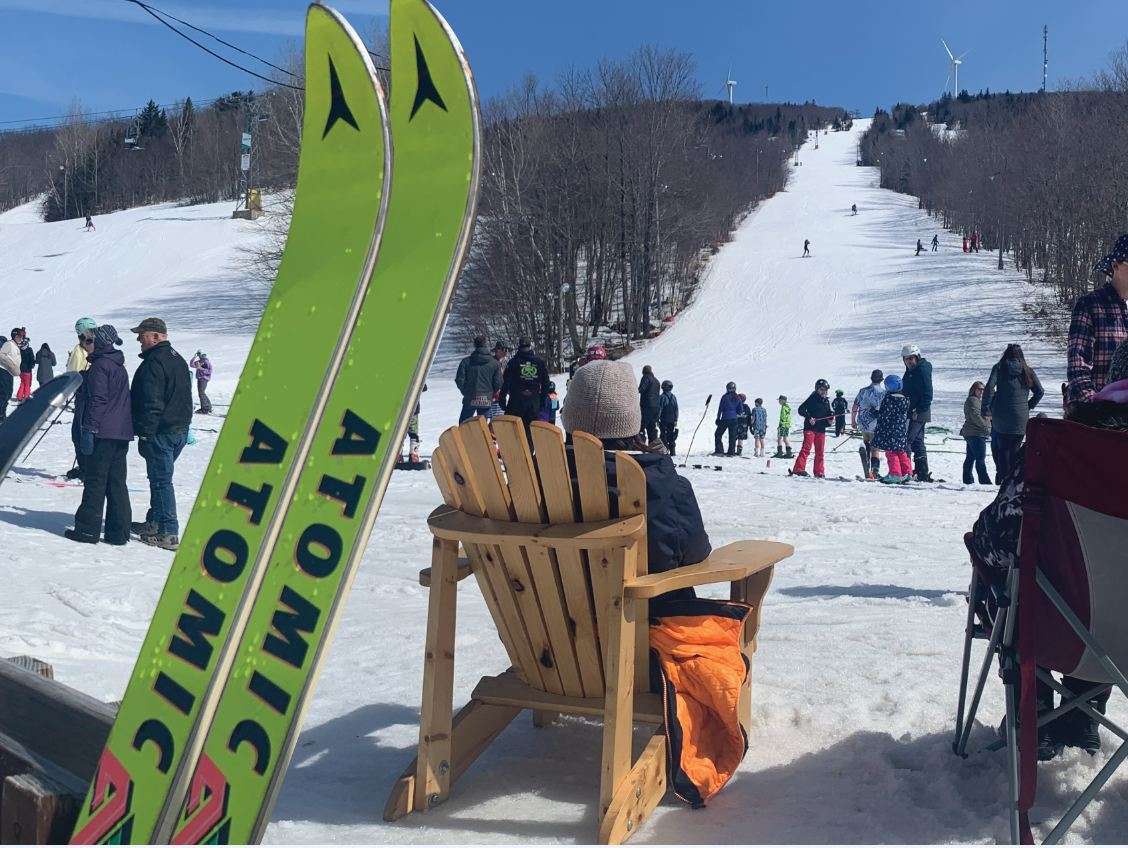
1040,177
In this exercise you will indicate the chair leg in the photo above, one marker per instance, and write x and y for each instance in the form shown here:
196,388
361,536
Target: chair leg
998,633
618,711
965,668
1011,669
639,794
473,729
433,771
751,591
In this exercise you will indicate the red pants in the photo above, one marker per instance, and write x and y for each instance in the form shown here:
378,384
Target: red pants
25,386
899,463
811,439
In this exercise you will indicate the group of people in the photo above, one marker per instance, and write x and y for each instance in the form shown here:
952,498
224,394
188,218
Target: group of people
496,383
935,245
109,412
19,362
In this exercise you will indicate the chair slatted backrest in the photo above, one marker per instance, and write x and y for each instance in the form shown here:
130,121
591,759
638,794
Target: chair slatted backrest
547,601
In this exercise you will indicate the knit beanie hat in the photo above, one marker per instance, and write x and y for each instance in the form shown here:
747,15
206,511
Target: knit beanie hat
106,336
602,400
1118,368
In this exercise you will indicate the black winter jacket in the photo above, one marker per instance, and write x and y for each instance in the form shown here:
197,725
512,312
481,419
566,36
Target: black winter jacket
916,385
27,360
525,382
161,393
667,408
818,407
649,390
102,401
1009,400
479,375
839,405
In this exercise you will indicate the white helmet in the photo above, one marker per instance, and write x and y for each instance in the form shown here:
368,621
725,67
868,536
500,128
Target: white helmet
910,350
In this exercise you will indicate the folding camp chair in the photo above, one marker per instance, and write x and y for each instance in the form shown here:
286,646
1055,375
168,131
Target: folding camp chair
563,571
1062,609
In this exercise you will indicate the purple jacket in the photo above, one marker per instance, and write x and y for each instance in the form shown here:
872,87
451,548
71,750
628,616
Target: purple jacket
102,402
203,368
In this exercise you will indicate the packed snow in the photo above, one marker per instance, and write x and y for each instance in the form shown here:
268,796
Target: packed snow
856,676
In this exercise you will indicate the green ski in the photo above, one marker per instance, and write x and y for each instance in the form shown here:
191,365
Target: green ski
344,176
436,140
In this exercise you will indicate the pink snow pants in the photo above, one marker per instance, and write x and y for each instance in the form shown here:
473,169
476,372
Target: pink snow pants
899,463
811,439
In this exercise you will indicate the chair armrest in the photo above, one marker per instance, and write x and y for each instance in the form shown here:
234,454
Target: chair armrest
461,574
729,564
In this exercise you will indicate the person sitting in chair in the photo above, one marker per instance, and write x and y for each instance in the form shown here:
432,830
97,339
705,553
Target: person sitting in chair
995,538
602,400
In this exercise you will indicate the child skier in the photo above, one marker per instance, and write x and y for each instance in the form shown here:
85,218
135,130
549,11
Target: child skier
759,426
892,432
839,407
551,405
784,429
743,424
668,417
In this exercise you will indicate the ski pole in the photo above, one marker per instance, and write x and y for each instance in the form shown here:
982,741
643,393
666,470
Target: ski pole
708,400
46,430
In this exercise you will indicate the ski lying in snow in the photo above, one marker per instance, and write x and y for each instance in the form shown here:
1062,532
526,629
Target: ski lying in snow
436,140
19,427
344,172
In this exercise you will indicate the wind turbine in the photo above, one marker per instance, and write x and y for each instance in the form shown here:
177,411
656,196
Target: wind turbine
954,74
730,84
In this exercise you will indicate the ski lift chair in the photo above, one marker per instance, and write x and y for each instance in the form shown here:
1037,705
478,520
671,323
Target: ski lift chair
1061,609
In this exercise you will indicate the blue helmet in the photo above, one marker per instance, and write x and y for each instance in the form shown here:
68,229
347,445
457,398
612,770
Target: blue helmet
893,383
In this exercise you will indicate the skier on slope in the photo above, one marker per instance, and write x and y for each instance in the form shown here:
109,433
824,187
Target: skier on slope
920,247
759,426
784,429
839,407
853,208
816,414
935,242
892,431
27,366
728,411
806,247
864,417
668,417
524,384
917,384
649,390
743,424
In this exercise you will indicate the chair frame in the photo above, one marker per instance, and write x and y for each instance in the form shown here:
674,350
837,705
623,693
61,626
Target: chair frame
493,518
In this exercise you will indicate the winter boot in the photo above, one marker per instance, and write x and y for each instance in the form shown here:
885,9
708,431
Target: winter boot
922,474
793,473
142,528
168,541
78,536
789,454
778,454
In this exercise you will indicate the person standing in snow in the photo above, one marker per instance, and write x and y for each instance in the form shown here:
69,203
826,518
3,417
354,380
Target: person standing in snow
920,247
413,440
76,360
917,386
743,424
203,368
161,400
89,224
935,242
892,432
501,353
649,390
1013,389
863,416
1099,323
759,427
524,384
102,408
728,411
784,430
9,354
816,414
853,208
839,406
27,366
668,417
45,363
806,247
975,430
478,380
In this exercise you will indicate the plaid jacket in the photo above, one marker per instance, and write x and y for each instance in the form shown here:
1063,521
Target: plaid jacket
1099,324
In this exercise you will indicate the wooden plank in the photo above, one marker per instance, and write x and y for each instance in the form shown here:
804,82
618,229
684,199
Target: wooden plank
35,810
630,480
737,561
560,508
463,571
511,589
595,505
751,591
618,665
510,577
56,722
448,523
509,690
432,778
641,792
528,505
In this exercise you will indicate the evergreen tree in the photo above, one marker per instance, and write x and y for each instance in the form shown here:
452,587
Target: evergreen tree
152,122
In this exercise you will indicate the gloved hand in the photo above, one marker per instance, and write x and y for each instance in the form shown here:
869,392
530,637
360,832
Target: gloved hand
86,442
142,445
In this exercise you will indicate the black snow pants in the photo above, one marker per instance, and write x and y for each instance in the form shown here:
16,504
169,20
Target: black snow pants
725,426
669,437
104,486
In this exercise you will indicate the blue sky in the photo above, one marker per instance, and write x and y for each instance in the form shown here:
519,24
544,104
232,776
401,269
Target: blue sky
860,54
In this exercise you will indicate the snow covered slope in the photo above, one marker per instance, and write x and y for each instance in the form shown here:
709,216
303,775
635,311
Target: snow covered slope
855,680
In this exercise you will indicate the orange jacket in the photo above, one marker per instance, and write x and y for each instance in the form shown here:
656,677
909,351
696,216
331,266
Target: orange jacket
695,650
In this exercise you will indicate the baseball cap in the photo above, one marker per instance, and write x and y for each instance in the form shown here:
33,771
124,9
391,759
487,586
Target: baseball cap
151,325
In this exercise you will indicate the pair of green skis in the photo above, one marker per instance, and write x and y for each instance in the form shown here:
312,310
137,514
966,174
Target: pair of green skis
383,214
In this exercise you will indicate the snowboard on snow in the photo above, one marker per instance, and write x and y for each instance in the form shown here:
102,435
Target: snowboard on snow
344,171
436,145
19,427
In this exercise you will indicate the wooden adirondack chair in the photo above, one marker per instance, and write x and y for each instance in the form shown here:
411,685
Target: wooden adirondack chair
567,587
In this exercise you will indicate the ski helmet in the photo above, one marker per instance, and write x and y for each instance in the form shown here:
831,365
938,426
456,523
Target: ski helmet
551,386
730,386
839,392
893,383
667,385
783,398
821,384
83,325
910,350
